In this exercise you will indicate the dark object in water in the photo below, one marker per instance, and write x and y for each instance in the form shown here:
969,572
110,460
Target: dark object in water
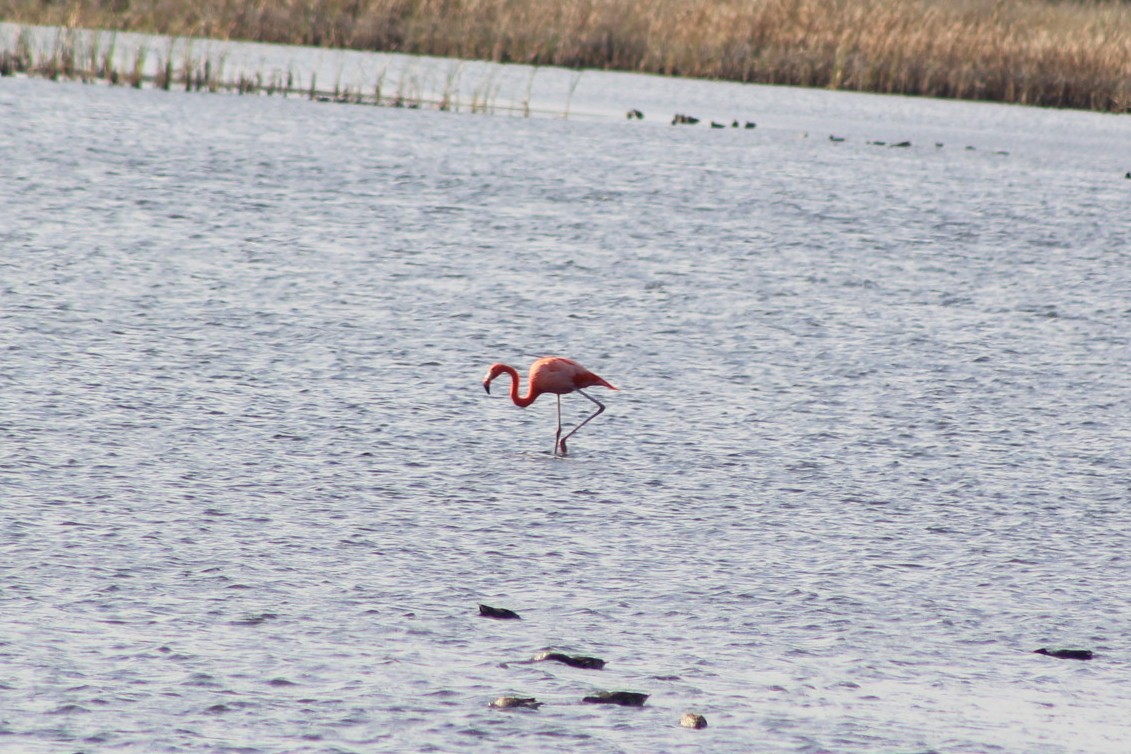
574,661
486,611
634,114
691,720
515,702
1065,654
689,120
751,124
902,144
717,125
836,138
623,698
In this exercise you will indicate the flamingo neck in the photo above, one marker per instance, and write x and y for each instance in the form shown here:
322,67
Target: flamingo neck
519,400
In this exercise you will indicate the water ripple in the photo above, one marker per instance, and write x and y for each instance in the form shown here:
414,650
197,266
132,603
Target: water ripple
869,450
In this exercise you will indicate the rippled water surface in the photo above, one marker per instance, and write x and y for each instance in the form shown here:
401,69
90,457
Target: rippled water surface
870,448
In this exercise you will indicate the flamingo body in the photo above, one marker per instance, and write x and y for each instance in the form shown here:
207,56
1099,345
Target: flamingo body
556,375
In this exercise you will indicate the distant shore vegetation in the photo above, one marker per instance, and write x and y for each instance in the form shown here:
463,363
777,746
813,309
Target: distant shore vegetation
1070,54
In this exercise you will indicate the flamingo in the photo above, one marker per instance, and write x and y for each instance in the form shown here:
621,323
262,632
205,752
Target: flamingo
552,374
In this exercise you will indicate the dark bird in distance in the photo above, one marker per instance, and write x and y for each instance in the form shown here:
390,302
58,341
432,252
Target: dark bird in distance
486,611
574,661
1065,654
623,698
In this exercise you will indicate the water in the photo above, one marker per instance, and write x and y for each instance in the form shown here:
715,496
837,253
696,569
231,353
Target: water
870,448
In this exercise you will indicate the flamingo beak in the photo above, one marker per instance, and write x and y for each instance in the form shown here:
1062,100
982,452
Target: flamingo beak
487,386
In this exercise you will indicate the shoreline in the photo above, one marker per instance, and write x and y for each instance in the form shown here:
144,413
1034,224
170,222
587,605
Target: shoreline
1036,52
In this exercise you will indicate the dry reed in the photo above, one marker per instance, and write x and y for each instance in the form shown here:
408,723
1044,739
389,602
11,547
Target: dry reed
1057,53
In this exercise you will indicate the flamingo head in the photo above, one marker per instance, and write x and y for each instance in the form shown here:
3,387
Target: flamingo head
492,373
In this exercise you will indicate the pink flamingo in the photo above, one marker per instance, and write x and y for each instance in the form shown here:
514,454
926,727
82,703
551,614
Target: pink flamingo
552,374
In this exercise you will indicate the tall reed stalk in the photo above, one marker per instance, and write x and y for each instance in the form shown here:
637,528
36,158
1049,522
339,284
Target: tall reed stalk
1061,53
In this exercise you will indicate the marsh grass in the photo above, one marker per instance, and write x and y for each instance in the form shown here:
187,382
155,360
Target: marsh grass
1060,53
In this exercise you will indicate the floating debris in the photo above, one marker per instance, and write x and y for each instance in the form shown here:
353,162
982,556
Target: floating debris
515,702
574,661
623,698
634,114
486,611
1065,654
691,720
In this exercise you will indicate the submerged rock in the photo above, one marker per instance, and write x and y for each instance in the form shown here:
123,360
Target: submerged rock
574,661
691,720
515,702
623,698
486,611
1065,654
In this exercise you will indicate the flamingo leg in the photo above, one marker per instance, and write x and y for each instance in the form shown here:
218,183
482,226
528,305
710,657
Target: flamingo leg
591,417
557,437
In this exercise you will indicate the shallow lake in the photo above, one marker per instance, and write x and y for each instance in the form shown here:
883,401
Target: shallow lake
869,450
